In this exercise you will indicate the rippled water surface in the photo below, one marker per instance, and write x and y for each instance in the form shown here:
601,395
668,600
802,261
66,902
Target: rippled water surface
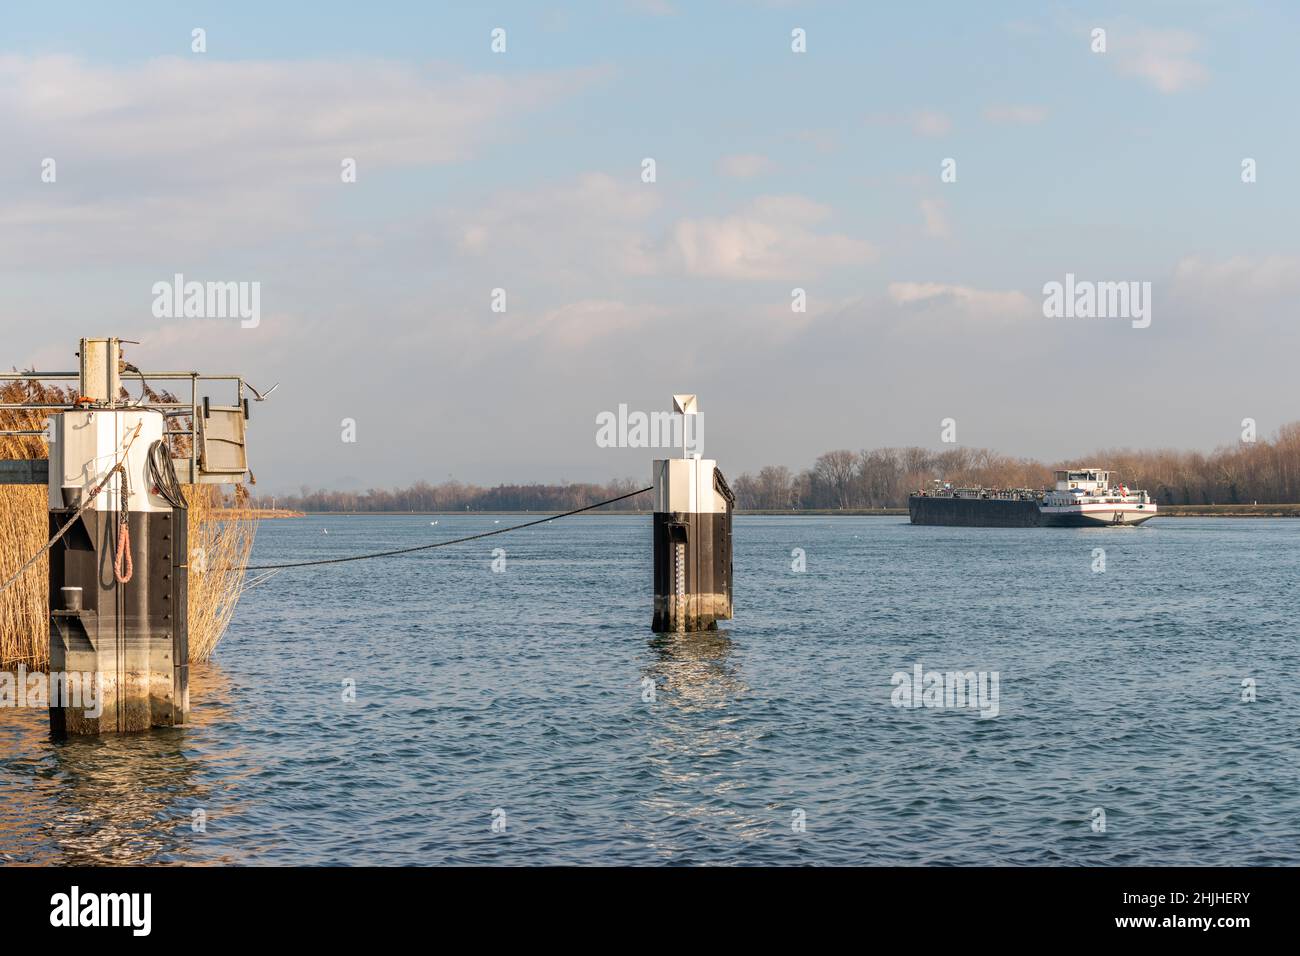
523,692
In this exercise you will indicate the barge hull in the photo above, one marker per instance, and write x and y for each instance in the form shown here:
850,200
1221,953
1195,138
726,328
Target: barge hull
974,512
1012,513
1096,518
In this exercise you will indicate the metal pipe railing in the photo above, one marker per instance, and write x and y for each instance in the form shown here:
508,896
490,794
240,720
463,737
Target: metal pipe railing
170,409
70,407
146,373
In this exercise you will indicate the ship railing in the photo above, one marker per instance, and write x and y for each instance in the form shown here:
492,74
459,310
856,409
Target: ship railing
1058,500
998,494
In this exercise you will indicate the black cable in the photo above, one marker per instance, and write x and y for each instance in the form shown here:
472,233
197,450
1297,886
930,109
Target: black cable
163,473
438,544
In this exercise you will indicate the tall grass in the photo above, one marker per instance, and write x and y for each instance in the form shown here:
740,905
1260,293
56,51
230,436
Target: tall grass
24,608
221,537
24,529
19,447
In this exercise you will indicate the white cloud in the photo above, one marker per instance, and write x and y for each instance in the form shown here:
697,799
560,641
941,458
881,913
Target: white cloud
824,141
1163,58
775,322
1018,115
577,324
744,165
1237,278
564,232
597,229
68,229
934,212
930,123
198,151
277,117
981,303
772,238
654,8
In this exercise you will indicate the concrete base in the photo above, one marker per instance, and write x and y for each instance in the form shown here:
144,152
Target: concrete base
695,612
130,639
137,684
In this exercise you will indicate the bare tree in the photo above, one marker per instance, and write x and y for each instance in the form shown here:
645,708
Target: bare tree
879,473
775,488
836,471
1264,471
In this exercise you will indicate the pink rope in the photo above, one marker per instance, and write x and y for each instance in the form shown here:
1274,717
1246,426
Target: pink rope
123,555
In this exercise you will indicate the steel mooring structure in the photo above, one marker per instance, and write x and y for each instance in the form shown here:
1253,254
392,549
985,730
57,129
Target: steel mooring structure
118,575
119,549
693,507
119,561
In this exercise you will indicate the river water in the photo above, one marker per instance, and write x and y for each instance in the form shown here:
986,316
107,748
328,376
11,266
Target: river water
528,715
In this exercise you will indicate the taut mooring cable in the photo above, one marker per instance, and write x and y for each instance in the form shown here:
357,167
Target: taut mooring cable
437,544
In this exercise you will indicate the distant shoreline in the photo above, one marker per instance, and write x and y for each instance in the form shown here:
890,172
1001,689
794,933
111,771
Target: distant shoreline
261,513
1165,511
1229,511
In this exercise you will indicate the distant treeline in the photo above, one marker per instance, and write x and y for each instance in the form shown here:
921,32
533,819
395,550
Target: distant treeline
457,496
1263,471
1267,471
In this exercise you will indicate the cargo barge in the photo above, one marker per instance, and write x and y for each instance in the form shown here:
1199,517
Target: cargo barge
1081,499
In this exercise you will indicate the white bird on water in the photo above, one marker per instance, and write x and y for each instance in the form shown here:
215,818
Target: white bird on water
324,530
433,522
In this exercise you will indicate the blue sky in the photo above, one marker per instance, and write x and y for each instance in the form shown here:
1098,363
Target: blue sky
775,170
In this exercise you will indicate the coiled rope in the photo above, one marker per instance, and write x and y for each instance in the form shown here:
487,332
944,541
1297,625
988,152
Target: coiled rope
438,544
123,563
123,566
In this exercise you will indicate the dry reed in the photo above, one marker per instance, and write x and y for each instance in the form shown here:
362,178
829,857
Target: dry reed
221,536
24,529
24,608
